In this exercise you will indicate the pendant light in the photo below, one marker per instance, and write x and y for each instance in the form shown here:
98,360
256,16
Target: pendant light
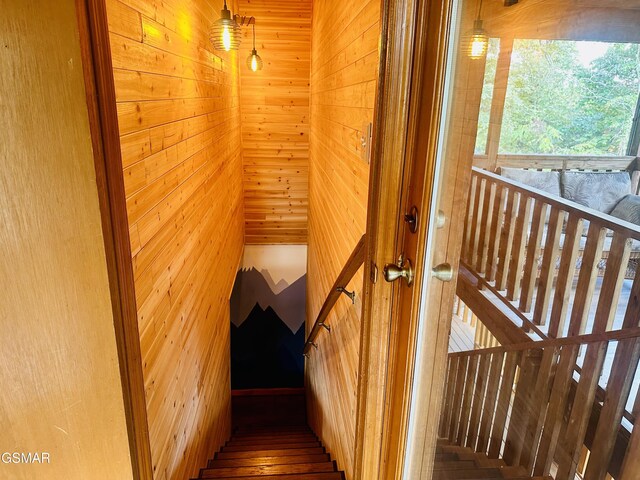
479,38
225,32
254,62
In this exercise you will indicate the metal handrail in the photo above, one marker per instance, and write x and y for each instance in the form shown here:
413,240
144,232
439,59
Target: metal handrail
353,264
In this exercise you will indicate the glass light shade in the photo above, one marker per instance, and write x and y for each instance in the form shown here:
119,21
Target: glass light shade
479,41
254,62
225,32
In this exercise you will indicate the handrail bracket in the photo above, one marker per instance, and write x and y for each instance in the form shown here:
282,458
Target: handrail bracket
351,295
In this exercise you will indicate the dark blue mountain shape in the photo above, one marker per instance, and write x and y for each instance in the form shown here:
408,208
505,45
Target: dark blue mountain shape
251,288
265,353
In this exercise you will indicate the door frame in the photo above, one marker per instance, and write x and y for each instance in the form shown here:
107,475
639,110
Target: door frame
105,139
413,60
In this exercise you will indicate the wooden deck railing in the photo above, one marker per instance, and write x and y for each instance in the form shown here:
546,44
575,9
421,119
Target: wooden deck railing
528,249
527,405
560,163
353,264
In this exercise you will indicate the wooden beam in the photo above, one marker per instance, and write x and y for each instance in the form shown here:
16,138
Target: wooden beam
612,336
498,101
562,20
498,323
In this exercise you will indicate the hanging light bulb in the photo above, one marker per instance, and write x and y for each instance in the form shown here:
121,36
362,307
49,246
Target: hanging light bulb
479,41
226,38
254,62
225,32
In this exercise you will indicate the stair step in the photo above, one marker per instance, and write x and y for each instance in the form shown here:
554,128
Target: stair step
446,457
270,430
270,453
273,440
261,470
295,476
472,473
267,435
453,462
455,465
250,462
274,446
291,452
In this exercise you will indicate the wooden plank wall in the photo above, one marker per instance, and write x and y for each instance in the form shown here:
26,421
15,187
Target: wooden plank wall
61,391
344,66
179,117
275,121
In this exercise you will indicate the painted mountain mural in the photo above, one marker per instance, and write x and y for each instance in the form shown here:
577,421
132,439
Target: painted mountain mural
267,331
252,287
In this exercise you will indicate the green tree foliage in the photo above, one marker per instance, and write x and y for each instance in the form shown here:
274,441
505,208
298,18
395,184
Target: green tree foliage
487,94
557,105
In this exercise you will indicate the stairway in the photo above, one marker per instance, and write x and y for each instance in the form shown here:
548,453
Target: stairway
272,453
461,463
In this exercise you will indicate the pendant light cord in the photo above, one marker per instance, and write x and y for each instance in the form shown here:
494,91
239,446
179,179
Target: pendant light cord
479,9
254,35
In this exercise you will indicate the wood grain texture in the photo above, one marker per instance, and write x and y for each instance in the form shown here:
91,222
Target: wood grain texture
344,65
275,121
564,19
179,117
61,381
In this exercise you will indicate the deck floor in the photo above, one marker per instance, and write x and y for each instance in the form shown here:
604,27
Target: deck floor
462,336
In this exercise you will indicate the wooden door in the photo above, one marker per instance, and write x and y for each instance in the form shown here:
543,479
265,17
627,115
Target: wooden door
424,145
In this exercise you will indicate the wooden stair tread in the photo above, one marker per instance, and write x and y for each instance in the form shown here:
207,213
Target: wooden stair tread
260,470
270,436
295,476
453,462
273,440
270,453
283,460
455,465
269,430
274,446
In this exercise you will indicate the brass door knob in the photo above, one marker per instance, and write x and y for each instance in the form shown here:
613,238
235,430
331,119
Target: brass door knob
442,272
401,269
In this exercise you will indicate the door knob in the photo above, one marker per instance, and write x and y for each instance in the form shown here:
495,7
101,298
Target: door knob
443,272
401,269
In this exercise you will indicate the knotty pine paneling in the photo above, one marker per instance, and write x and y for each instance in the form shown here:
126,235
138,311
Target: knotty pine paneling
344,65
275,121
61,390
179,117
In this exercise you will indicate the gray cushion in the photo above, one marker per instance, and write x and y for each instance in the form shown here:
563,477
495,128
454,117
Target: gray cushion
600,191
546,181
628,209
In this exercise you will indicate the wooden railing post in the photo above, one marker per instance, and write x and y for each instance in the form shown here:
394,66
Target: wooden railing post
504,403
555,411
521,403
523,400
